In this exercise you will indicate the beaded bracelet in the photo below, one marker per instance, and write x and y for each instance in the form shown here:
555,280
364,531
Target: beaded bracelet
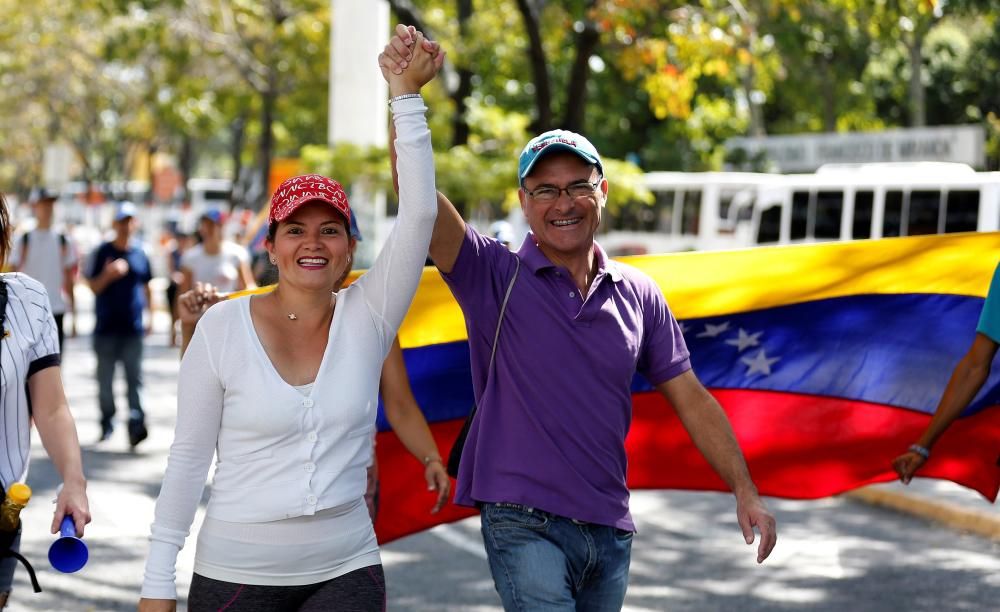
428,459
403,97
923,451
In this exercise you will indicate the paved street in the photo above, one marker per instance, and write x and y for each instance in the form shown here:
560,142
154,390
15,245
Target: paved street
832,554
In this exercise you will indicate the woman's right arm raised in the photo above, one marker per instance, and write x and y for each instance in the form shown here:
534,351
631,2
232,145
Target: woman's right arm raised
449,228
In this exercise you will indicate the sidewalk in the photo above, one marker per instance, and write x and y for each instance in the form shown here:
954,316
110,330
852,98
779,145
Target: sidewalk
937,500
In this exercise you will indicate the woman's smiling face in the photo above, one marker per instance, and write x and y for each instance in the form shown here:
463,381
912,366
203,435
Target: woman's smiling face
312,246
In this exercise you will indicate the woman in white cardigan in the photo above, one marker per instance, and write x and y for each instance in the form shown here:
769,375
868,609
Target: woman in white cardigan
282,387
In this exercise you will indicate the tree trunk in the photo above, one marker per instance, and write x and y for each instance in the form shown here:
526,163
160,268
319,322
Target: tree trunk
185,162
829,97
749,86
151,149
460,120
539,68
408,14
237,132
918,106
268,99
576,93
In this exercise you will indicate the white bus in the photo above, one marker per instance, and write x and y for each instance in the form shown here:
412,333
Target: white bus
717,210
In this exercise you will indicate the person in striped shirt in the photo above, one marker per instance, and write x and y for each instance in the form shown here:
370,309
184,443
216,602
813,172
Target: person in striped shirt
29,368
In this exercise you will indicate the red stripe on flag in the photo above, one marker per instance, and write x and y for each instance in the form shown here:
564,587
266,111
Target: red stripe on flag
807,447
797,446
405,503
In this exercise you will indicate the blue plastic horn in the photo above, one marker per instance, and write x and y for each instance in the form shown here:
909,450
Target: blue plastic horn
68,554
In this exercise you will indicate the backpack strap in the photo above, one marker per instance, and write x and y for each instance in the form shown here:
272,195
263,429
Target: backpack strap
63,244
24,250
6,542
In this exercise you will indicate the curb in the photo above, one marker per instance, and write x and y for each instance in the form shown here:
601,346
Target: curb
951,515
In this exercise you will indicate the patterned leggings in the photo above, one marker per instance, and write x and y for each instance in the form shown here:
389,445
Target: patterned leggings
362,590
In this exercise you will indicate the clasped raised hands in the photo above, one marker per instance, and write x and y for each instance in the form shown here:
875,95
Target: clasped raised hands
409,61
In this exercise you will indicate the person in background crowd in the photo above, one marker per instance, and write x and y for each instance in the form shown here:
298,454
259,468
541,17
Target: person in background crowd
224,264
178,244
30,359
502,232
49,256
966,380
119,273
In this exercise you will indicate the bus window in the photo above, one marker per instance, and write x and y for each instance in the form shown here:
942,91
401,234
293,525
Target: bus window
862,224
924,212
800,214
770,225
962,211
893,213
635,216
692,207
829,206
725,202
664,208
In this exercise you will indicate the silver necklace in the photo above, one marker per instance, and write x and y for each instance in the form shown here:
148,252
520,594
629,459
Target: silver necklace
293,317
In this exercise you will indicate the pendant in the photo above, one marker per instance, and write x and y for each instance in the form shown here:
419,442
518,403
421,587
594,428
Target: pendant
291,316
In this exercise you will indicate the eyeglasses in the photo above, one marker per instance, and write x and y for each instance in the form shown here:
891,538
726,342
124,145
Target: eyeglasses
576,191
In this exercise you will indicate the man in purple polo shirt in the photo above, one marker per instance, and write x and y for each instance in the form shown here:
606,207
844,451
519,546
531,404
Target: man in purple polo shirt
545,455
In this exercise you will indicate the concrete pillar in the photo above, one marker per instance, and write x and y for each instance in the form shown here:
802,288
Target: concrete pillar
358,113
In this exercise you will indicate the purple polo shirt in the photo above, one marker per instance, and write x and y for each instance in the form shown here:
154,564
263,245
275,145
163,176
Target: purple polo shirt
550,431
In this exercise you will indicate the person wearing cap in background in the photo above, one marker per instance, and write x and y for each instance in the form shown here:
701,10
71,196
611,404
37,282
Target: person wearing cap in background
48,256
545,455
502,232
283,386
222,263
118,273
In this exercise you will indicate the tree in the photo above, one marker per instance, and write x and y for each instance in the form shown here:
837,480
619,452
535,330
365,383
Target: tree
277,48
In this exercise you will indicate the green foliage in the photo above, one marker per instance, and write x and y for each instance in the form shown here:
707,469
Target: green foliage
667,82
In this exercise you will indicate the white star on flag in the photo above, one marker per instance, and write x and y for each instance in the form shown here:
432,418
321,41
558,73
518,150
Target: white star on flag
711,331
684,327
759,363
745,340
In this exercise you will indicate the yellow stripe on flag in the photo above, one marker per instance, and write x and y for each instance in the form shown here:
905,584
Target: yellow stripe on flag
710,283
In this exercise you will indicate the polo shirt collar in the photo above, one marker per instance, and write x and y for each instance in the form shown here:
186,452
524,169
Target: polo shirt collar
533,257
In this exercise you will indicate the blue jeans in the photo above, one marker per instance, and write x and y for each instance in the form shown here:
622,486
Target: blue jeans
110,349
541,561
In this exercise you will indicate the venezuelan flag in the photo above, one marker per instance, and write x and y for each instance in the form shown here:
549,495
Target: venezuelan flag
829,360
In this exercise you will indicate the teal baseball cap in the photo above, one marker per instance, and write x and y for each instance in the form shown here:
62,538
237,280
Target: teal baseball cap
552,141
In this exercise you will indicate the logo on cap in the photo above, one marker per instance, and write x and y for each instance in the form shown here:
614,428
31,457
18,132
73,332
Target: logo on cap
556,140
541,145
298,190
